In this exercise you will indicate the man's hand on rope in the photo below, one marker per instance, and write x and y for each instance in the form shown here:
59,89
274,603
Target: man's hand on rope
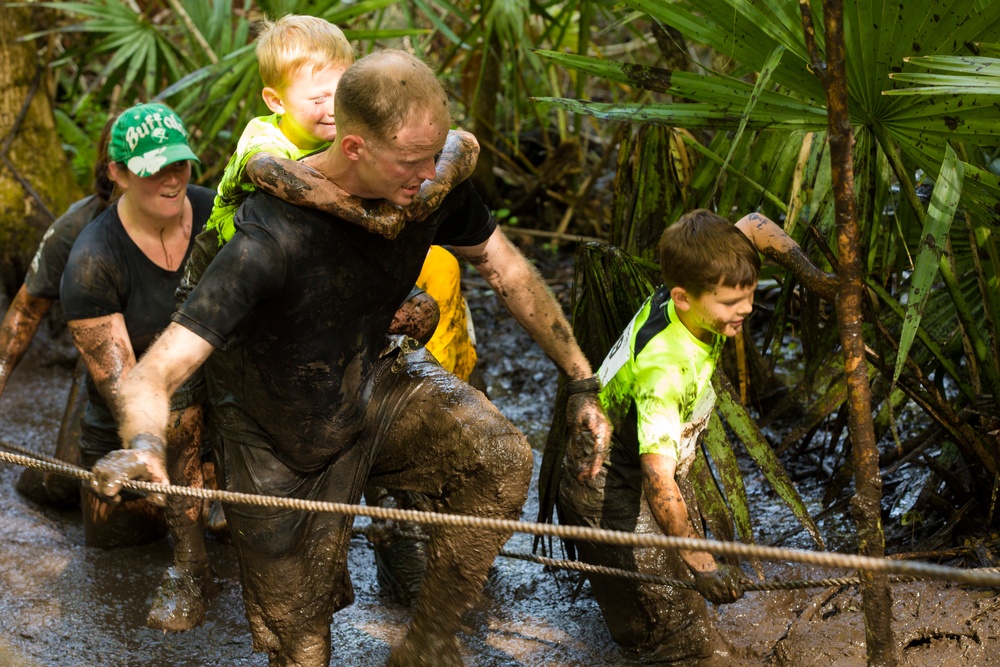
144,461
589,434
720,586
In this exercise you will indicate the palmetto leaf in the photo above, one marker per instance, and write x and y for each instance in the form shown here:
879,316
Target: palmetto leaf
966,75
947,191
879,34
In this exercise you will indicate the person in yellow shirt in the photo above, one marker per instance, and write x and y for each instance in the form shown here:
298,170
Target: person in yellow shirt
453,343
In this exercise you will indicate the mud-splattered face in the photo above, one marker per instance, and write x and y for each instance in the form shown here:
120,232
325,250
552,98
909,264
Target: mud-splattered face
307,106
394,169
720,310
157,197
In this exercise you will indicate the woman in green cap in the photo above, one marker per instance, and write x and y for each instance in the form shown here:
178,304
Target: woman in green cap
117,295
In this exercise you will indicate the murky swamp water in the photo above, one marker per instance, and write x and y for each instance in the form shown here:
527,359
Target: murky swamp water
65,605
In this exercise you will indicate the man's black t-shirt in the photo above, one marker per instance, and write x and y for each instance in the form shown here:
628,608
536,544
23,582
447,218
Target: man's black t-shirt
107,273
298,304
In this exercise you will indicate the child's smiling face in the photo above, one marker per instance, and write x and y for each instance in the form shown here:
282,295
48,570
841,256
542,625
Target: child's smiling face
306,106
720,310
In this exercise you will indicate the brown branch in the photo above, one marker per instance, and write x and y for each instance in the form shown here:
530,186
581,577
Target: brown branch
866,504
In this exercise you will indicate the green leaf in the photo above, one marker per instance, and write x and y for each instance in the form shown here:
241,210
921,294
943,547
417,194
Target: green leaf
944,201
722,454
762,81
760,450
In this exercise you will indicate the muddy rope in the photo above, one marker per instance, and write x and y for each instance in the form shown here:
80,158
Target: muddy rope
588,568
989,577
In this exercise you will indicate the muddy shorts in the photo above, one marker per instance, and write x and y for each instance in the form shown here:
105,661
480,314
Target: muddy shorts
424,430
656,622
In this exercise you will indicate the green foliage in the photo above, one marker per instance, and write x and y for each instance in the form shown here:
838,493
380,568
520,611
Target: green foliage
947,191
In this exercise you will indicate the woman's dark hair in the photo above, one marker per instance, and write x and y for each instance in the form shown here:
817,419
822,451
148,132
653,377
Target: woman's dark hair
104,187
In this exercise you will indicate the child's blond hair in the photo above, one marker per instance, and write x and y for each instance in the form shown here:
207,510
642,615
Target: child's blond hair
296,41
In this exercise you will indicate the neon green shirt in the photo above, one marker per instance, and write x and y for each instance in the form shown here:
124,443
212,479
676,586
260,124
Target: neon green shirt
261,135
664,371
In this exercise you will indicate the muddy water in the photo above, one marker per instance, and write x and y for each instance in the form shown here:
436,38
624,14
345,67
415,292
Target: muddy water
65,605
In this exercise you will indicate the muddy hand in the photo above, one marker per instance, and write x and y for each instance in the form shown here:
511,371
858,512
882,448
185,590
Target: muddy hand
143,462
589,435
721,586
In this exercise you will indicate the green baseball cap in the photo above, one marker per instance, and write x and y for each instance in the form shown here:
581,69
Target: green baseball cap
148,137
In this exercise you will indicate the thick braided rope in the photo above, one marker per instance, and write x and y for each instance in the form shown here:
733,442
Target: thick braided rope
589,568
980,577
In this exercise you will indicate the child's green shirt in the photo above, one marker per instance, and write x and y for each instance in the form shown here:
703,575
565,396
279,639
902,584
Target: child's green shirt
662,370
261,135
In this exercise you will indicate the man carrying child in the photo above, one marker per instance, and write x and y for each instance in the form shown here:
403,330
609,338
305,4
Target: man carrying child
309,400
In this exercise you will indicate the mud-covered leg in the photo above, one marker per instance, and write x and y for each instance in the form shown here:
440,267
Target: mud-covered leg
652,623
444,439
181,600
293,564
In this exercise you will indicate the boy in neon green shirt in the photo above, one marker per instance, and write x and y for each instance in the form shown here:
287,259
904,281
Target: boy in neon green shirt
655,386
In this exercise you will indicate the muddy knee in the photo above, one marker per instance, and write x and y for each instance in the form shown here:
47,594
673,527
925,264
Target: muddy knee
501,473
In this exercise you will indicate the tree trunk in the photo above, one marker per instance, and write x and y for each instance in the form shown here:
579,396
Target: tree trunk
35,177
483,80
866,504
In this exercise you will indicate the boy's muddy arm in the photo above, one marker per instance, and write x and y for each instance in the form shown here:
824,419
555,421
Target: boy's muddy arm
299,184
143,410
528,298
457,162
718,584
771,240
19,325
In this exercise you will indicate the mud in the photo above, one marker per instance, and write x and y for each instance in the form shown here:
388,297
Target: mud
63,604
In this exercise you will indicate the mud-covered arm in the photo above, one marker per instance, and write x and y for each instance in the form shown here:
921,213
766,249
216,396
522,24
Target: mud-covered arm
143,409
105,347
659,485
522,290
772,241
300,184
455,164
17,329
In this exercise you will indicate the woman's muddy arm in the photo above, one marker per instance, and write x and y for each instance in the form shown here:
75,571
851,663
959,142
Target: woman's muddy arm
17,329
105,347
522,290
144,409
772,241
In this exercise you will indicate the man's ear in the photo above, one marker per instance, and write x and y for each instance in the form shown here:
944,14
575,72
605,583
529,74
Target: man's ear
681,299
273,100
353,146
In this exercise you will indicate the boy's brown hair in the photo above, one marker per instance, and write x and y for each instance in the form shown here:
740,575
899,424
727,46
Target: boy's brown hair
378,94
702,250
295,41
